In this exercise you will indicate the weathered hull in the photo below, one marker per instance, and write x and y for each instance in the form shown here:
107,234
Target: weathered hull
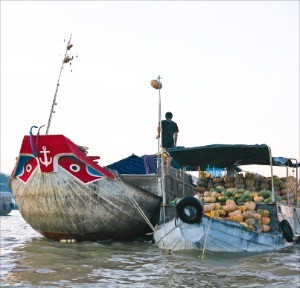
60,207
223,236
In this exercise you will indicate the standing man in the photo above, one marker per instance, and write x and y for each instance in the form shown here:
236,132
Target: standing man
169,136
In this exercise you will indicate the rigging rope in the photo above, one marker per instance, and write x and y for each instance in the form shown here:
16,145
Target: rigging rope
206,236
137,206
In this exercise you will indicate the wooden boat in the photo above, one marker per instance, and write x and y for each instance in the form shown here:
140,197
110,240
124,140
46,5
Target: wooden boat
64,194
7,203
191,228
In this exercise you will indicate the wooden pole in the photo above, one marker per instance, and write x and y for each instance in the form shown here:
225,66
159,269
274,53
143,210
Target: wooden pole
57,85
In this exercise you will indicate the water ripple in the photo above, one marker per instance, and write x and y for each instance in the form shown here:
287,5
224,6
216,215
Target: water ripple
29,260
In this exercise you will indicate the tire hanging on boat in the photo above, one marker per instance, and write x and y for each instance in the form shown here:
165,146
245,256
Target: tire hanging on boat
189,210
287,230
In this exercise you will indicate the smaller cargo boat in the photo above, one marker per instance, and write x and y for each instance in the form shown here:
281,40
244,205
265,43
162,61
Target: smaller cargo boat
236,212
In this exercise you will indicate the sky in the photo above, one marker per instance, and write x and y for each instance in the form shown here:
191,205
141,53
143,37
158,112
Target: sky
229,70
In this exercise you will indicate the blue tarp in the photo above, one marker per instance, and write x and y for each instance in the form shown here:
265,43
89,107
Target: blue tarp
135,165
281,161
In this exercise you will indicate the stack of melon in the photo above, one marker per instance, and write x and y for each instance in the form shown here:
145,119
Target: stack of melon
202,184
285,188
252,182
292,186
221,194
218,181
251,185
229,181
246,215
234,198
264,183
239,181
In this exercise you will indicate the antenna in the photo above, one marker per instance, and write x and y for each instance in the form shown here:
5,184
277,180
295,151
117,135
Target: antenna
65,60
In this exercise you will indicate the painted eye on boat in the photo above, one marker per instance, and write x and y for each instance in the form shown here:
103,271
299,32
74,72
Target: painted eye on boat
74,167
28,168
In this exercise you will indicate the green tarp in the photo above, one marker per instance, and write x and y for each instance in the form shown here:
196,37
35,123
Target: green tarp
226,156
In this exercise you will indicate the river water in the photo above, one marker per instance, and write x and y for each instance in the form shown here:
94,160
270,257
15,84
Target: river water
29,260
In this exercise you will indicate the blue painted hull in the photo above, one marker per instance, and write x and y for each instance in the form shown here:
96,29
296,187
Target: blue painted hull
224,235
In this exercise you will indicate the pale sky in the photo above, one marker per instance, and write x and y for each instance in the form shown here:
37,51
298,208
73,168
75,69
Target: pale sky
230,73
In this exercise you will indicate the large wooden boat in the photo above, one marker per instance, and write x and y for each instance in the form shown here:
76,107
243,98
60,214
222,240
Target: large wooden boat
195,227
64,194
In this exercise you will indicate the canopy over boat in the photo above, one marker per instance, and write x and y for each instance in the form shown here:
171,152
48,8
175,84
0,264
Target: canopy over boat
228,155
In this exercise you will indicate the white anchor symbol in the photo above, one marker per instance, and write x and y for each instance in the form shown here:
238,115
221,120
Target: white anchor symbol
45,162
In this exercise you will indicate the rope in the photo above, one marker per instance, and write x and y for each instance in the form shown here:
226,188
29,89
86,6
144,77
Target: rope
37,139
31,141
296,215
137,206
206,236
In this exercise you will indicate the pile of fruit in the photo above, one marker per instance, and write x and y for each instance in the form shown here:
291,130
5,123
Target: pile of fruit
221,195
246,215
234,198
246,187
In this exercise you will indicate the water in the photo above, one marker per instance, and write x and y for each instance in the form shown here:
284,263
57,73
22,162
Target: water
29,260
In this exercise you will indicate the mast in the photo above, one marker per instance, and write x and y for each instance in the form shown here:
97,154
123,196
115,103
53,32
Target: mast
162,167
156,84
65,60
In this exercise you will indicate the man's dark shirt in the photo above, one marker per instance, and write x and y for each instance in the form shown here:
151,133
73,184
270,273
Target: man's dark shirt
169,127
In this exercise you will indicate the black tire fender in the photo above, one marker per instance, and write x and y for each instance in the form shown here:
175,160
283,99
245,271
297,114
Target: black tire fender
287,230
189,210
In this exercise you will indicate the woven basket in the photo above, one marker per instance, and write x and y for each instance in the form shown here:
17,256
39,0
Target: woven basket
239,176
240,186
283,186
283,191
264,186
200,189
229,185
249,182
228,179
264,180
210,185
249,175
156,84
238,181
218,180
